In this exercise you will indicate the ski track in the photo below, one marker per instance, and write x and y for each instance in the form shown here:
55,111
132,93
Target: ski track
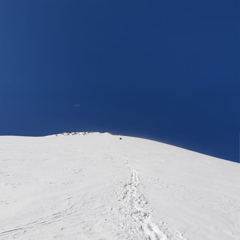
70,214
136,205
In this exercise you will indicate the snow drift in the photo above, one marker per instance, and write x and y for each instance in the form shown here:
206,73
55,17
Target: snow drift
98,186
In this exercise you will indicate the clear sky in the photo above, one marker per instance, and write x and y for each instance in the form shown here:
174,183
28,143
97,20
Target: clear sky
166,70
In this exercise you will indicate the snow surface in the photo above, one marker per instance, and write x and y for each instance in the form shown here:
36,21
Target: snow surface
96,186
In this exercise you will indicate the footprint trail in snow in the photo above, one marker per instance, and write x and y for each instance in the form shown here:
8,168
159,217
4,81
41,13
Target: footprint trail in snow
135,205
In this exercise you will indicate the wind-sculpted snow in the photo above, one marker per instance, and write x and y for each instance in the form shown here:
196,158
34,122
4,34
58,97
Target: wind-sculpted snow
83,186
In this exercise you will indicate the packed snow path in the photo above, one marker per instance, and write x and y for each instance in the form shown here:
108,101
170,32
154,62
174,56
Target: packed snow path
91,186
136,205
133,203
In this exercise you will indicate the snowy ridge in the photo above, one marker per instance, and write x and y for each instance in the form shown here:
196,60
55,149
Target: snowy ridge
102,186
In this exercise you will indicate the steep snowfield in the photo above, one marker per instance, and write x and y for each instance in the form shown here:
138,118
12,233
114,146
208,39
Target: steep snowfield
96,186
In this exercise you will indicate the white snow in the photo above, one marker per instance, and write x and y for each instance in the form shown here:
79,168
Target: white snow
83,186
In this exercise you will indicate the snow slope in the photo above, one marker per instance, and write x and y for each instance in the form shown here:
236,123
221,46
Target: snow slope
96,186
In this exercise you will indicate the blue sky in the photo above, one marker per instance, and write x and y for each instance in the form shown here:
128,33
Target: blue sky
166,70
